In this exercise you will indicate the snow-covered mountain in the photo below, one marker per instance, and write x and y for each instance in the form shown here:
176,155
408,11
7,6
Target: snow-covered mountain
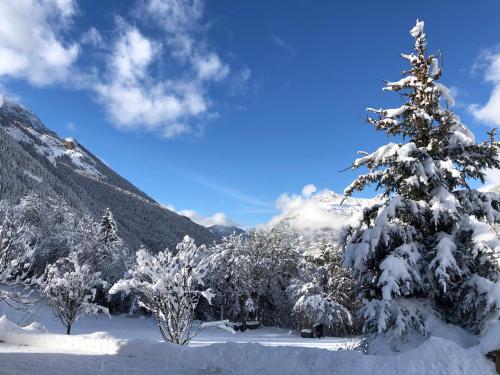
33,158
221,231
324,210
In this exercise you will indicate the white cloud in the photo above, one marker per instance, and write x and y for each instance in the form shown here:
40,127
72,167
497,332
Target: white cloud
134,99
210,67
93,37
128,76
218,218
308,190
181,22
31,43
489,63
492,180
313,211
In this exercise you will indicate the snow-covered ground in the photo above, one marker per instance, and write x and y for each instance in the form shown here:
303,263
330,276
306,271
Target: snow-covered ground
123,345
129,328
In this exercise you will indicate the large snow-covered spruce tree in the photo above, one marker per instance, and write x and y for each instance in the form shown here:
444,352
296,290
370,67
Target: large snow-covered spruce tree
429,247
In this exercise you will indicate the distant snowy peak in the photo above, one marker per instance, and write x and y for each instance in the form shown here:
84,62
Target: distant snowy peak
325,210
331,198
24,126
221,231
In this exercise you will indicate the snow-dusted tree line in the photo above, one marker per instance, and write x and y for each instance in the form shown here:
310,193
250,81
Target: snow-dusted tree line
270,276
69,258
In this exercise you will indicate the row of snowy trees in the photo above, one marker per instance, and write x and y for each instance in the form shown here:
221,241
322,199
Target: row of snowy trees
276,277
81,267
70,259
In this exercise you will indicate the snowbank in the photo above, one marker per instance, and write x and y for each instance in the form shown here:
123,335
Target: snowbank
435,356
35,335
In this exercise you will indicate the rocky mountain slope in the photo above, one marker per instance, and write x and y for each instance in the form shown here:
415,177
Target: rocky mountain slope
35,159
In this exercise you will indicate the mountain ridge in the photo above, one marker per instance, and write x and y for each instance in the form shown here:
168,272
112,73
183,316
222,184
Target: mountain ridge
36,159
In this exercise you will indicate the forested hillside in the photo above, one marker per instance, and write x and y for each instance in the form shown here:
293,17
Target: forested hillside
35,159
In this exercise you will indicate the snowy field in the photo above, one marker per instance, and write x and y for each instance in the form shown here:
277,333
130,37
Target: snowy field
130,328
124,345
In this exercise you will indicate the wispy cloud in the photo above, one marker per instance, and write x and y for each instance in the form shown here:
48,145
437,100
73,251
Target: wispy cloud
228,191
218,218
488,63
281,43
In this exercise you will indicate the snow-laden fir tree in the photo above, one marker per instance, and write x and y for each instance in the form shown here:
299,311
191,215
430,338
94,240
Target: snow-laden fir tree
107,227
70,289
430,244
170,286
100,247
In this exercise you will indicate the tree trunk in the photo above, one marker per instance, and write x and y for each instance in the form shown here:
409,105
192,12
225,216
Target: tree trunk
68,329
497,358
243,315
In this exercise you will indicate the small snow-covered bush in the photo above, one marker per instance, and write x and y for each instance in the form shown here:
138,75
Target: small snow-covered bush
323,292
314,309
70,290
170,286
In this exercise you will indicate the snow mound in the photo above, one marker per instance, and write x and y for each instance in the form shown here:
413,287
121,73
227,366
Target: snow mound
35,327
435,356
491,340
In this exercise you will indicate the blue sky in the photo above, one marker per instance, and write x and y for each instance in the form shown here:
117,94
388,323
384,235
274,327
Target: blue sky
223,106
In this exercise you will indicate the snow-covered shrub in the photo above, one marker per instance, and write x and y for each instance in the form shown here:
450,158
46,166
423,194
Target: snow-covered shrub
16,252
323,292
431,240
170,286
314,309
70,289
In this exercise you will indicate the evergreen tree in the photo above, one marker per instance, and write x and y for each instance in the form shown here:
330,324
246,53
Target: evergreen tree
430,244
107,227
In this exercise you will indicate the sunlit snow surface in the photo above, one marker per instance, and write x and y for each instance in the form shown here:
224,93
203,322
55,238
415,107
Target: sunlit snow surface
124,345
